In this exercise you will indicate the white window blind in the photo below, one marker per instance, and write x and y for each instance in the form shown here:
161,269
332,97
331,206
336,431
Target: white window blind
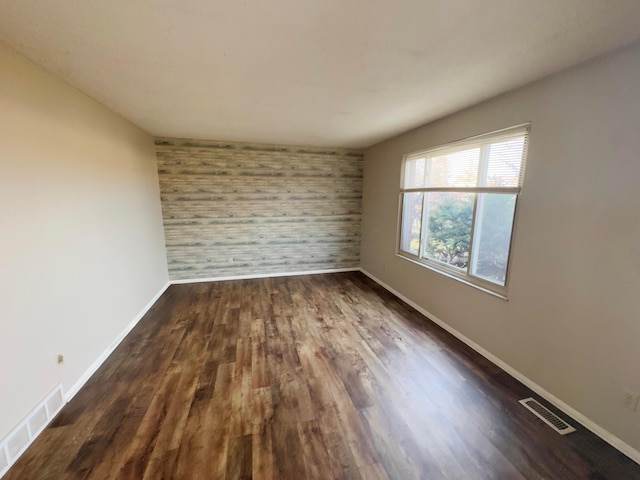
493,160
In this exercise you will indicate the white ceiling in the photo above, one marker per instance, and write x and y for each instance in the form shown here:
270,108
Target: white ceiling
340,73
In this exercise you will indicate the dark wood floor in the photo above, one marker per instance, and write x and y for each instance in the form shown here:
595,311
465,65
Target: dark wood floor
318,377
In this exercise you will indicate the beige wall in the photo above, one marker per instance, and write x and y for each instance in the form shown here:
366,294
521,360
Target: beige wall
81,243
572,322
269,208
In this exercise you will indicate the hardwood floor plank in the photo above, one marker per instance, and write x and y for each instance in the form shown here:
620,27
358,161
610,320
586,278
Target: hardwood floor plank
393,458
373,472
259,363
287,451
263,460
239,459
329,391
318,377
314,451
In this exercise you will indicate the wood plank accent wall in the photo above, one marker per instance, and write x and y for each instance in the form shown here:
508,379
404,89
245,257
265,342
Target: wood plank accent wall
269,208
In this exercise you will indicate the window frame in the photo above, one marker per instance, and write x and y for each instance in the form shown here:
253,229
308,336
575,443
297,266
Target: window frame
463,275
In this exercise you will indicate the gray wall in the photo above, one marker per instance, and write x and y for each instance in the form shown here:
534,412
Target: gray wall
81,243
572,322
270,208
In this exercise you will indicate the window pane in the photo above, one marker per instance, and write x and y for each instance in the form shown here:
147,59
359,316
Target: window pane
493,236
458,169
448,230
505,163
411,222
414,173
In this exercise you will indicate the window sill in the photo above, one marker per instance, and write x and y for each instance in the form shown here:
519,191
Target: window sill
501,296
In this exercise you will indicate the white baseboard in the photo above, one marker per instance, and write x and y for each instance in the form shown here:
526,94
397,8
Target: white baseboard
607,436
264,275
71,392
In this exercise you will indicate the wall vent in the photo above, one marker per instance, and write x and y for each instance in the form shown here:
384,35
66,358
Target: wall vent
54,403
18,441
547,416
38,420
15,444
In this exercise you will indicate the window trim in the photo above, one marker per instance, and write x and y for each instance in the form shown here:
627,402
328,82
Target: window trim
465,276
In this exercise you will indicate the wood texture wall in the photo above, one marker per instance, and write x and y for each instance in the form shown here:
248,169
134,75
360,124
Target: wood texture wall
248,209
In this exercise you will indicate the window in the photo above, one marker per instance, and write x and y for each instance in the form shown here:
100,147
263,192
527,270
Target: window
457,206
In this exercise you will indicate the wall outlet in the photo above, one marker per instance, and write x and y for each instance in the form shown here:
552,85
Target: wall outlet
230,260
630,400
60,359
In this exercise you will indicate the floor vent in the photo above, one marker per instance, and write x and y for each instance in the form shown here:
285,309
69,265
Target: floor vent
547,416
24,434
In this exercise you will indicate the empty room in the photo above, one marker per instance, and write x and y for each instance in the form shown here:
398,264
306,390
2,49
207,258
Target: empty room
319,240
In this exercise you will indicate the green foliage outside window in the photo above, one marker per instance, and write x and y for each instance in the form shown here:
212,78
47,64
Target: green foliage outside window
449,227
